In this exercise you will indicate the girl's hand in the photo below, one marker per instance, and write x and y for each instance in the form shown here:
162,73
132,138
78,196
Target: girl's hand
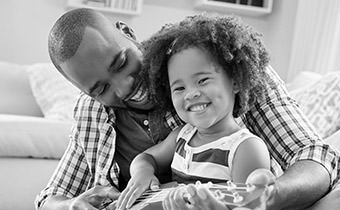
190,197
134,189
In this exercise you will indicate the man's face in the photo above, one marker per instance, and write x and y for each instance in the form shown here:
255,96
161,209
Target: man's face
106,67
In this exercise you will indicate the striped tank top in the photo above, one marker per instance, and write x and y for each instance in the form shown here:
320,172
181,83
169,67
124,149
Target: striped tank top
208,162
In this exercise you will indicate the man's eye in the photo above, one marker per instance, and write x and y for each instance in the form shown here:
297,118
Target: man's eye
120,63
101,90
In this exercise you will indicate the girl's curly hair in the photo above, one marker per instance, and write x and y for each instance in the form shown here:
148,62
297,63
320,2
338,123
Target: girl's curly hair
234,46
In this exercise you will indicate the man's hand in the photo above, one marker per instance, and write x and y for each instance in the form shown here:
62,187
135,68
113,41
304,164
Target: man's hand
94,198
134,189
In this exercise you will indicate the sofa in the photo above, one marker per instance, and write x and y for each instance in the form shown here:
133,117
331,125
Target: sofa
36,118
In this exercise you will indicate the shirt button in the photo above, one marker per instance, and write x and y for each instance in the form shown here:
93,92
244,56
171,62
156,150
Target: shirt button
146,122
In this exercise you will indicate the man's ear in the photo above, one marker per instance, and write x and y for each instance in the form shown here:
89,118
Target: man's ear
125,29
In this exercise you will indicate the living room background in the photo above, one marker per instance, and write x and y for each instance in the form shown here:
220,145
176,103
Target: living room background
25,26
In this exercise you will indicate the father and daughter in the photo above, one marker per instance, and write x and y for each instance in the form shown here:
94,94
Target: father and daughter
205,86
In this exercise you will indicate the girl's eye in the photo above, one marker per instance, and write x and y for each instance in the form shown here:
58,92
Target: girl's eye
178,89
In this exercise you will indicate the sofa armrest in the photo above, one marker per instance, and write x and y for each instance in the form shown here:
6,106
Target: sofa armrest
15,92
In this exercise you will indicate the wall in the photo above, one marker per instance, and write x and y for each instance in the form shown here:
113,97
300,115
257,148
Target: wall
280,31
25,26
24,29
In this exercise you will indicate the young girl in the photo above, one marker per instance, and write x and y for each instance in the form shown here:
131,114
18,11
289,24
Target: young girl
210,70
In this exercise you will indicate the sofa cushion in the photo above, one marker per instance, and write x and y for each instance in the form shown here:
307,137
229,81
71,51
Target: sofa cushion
15,92
54,94
26,136
320,102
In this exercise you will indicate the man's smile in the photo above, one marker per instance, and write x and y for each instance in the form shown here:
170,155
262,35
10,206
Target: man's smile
138,94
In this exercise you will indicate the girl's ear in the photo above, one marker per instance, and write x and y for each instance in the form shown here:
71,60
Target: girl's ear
236,87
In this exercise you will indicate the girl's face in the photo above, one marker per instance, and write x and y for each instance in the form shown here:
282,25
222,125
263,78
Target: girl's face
202,93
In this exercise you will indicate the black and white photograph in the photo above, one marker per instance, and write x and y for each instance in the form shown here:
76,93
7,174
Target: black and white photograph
170,105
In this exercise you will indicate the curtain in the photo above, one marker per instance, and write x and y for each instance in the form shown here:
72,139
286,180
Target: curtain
316,39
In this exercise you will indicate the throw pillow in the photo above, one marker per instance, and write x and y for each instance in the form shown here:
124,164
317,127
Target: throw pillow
38,137
320,102
55,95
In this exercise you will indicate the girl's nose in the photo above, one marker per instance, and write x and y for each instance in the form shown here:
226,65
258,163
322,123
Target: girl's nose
192,94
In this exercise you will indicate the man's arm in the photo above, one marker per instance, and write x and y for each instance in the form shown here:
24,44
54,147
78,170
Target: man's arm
300,186
71,176
75,173
310,165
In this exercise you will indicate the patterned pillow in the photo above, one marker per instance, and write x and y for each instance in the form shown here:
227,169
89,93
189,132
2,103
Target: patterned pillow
321,103
55,95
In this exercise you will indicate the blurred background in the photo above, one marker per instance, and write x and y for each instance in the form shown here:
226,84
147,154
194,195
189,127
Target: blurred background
301,35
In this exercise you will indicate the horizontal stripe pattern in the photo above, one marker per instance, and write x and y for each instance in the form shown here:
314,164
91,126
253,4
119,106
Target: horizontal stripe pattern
199,169
181,177
211,161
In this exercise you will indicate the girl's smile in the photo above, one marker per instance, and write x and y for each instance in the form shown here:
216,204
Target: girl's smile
197,107
201,91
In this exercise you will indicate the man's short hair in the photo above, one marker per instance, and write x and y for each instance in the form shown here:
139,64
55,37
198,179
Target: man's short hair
67,34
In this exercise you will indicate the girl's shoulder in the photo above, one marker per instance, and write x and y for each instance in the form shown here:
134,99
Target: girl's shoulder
186,132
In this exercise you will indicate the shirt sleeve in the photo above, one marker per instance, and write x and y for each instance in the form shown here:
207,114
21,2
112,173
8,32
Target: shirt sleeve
74,173
290,137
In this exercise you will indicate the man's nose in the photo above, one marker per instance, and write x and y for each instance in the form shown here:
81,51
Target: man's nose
125,87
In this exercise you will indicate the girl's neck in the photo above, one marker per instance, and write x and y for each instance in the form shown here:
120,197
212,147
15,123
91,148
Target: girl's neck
215,132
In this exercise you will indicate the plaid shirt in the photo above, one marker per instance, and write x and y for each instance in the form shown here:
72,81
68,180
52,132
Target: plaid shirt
278,121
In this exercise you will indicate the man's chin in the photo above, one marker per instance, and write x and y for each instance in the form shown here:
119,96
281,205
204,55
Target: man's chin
140,105
143,105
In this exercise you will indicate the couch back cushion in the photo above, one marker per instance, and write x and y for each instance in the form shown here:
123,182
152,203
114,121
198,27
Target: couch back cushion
15,92
55,95
320,102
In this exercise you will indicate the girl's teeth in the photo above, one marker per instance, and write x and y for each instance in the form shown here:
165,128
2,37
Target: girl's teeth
198,108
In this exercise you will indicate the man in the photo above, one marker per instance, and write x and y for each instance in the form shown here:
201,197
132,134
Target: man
115,121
